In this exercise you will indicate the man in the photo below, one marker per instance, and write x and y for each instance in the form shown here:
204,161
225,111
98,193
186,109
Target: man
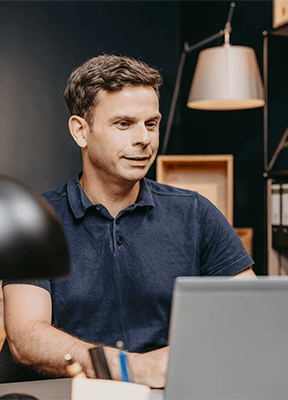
128,237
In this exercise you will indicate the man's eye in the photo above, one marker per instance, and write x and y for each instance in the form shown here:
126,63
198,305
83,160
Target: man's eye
152,125
123,124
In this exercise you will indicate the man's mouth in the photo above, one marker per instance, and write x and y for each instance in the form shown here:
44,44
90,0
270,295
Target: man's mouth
137,158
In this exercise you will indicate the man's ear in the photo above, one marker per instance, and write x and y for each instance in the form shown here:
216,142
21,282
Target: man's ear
79,129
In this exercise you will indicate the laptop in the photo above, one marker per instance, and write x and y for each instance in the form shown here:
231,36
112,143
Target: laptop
228,339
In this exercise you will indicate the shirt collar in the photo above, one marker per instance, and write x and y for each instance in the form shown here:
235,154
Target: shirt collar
79,202
145,198
77,198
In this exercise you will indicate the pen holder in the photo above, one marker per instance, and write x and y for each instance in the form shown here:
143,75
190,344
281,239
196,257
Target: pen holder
103,389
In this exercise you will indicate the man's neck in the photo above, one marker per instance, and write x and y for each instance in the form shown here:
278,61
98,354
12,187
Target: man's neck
115,197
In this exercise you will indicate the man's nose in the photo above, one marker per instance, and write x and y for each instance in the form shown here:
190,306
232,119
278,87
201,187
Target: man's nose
141,136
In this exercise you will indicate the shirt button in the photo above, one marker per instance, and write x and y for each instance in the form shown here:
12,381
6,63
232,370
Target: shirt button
117,221
98,207
118,241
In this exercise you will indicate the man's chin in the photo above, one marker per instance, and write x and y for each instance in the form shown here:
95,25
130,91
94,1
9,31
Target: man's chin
135,176
134,173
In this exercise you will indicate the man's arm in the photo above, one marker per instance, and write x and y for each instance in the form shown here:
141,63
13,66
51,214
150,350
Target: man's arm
32,339
246,274
35,342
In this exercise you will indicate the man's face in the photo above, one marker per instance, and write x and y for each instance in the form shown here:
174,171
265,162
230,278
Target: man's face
123,140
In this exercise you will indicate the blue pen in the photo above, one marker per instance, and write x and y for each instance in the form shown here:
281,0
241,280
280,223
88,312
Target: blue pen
124,365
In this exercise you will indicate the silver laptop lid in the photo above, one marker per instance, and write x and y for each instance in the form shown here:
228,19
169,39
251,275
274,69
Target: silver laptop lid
228,339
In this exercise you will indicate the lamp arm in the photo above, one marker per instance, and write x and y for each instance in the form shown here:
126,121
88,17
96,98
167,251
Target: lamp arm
230,14
203,42
174,100
228,29
187,49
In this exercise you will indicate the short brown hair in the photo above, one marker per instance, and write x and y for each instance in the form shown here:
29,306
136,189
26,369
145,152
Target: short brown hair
108,72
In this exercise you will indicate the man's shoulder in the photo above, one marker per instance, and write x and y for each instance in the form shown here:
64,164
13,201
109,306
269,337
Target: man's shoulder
160,189
56,193
169,196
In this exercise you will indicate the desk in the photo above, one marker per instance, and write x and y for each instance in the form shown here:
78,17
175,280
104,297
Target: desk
53,389
157,394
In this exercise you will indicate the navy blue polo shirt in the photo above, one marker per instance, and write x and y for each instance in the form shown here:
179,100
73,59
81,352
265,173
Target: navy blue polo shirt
123,268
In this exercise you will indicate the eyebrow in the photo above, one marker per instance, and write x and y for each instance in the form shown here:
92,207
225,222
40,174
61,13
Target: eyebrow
157,117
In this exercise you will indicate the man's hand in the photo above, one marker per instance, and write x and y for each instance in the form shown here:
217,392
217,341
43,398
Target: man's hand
146,368
150,368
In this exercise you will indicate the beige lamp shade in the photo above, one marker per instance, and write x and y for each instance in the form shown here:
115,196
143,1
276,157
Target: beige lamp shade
226,78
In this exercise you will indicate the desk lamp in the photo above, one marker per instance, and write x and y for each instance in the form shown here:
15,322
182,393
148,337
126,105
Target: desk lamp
226,78
32,241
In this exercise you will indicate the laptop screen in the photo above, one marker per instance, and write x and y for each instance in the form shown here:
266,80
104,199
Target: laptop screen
228,339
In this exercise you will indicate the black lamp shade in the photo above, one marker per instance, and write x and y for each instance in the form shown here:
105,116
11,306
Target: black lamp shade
32,240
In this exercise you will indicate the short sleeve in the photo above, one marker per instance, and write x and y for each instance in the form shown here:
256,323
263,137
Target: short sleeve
44,283
221,250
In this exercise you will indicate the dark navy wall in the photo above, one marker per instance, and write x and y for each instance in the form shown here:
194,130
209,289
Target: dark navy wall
41,42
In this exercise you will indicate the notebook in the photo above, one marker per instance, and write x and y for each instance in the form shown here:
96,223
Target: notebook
228,339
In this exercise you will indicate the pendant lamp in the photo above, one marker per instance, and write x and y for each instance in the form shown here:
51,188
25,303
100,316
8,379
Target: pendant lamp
226,78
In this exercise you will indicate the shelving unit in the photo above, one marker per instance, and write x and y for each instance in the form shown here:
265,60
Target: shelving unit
276,261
